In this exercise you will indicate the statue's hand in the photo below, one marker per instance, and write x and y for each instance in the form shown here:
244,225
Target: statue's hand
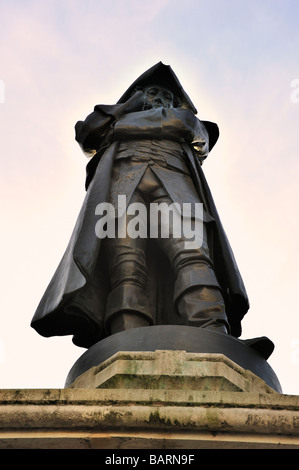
135,103
180,125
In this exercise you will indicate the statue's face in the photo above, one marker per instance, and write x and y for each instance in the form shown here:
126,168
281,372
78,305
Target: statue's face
157,97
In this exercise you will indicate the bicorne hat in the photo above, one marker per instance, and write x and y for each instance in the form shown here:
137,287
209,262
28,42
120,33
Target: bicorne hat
163,75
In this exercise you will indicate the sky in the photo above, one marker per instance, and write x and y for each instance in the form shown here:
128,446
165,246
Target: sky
237,60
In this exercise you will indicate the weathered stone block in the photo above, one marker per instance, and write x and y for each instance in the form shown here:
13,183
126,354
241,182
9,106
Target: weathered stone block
171,370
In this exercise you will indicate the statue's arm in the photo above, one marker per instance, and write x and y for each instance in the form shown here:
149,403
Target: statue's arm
97,129
177,124
182,124
90,134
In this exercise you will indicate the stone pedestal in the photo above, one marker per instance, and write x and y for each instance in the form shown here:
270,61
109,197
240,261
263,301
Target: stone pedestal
170,370
250,354
171,398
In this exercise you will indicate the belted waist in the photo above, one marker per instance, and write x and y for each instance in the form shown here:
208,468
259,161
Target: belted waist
163,153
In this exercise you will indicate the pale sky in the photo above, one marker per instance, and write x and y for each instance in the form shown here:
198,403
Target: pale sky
237,60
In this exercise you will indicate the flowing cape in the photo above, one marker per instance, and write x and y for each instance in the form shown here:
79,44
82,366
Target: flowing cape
74,302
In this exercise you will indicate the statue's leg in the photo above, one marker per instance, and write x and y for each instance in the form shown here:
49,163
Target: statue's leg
127,303
197,294
203,306
126,320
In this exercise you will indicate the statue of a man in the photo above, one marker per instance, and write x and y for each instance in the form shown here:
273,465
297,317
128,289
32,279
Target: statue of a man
147,151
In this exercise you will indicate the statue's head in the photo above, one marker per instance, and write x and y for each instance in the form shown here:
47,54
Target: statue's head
156,96
161,87
156,78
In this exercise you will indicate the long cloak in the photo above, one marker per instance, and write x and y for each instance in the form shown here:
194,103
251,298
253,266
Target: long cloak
74,302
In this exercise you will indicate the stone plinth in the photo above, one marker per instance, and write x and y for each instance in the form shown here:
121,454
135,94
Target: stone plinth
153,400
171,370
250,355
147,419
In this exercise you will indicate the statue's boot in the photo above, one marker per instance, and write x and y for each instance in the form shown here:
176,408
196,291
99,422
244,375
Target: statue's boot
204,307
127,307
127,320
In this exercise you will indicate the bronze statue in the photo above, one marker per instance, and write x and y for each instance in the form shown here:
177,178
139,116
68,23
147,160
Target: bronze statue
147,149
